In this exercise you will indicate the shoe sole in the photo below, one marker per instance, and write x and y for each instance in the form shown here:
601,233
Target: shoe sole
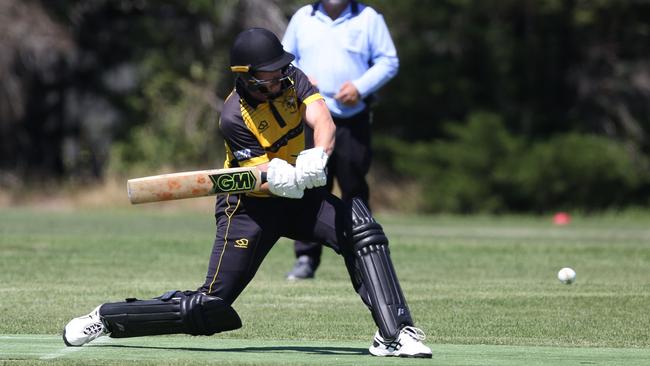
417,355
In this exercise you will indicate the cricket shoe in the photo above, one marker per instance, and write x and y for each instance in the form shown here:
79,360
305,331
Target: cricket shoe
84,329
407,344
304,268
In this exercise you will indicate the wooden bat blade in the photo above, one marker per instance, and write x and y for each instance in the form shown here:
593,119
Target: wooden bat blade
191,184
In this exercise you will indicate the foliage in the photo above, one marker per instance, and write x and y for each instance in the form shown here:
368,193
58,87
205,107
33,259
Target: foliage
177,94
481,167
458,175
184,135
545,66
127,86
577,171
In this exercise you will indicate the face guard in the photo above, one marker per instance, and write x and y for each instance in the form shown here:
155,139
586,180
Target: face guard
258,49
254,84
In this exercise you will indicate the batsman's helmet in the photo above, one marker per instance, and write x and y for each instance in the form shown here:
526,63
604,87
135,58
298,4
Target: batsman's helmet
258,49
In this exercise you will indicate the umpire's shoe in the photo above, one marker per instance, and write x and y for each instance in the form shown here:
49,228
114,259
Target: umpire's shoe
84,329
304,268
407,344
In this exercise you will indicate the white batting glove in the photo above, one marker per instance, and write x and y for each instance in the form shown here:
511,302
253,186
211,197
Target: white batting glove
281,177
310,168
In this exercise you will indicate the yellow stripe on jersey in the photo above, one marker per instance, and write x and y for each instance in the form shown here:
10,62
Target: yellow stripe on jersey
279,129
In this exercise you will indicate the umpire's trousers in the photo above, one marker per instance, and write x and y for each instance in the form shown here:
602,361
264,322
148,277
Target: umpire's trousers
349,164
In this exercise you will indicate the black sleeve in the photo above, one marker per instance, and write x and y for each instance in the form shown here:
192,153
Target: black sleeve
304,89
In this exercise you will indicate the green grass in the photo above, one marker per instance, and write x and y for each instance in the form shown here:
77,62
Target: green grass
483,288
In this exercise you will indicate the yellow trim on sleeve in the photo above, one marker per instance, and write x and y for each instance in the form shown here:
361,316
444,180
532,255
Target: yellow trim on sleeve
312,98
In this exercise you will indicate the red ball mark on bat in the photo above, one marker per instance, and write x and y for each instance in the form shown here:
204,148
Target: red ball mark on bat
201,180
198,191
165,196
173,185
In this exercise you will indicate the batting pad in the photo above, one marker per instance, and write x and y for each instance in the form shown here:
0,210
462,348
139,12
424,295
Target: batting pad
375,268
174,312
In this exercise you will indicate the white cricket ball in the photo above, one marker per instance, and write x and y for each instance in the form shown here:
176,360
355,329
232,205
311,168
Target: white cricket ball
567,275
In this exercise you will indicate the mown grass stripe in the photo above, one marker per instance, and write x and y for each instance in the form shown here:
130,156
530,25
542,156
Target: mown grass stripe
212,350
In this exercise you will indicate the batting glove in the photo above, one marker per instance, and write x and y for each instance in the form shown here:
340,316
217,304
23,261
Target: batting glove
281,177
310,168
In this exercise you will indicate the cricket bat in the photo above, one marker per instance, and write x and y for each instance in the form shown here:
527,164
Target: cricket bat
198,183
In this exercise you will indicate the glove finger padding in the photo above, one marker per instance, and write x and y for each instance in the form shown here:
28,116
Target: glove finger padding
321,179
310,168
281,177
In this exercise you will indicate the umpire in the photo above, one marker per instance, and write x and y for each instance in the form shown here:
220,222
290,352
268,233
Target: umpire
263,123
361,58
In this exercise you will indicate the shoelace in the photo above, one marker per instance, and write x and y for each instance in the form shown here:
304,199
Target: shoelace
415,333
93,329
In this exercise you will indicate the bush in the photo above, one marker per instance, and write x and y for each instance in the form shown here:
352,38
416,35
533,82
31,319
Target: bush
461,174
482,167
577,171
184,134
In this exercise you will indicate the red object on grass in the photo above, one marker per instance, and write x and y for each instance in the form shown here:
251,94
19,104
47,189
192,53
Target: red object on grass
561,218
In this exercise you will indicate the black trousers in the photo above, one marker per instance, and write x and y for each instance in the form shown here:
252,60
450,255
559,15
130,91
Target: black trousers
248,227
349,164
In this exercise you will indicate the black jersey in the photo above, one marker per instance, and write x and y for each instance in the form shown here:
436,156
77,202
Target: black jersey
256,132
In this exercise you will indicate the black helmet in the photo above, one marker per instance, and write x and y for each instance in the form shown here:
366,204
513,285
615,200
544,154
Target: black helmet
258,49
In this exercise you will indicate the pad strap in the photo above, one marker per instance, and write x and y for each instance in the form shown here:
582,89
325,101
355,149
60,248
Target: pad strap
174,312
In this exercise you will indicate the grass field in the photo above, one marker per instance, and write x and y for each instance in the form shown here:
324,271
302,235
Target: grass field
483,289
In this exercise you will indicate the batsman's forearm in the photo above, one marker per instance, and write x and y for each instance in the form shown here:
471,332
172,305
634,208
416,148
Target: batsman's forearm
326,143
325,134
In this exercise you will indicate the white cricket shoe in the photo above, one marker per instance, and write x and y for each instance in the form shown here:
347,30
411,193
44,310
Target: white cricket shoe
84,329
407,344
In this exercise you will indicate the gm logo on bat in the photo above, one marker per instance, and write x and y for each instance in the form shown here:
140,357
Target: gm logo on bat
233,182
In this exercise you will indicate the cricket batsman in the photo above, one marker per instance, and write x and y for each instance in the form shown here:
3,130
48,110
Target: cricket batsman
262,123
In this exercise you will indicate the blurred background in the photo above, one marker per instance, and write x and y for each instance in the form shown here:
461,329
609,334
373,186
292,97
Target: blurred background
500,106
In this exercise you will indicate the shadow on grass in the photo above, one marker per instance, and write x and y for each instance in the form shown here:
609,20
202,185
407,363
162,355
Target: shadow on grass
340,351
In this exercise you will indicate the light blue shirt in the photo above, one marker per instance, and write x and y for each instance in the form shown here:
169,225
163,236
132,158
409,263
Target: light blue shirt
356,48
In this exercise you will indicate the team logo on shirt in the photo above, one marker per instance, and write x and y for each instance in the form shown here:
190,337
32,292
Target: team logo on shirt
241,243
290,104
263,126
